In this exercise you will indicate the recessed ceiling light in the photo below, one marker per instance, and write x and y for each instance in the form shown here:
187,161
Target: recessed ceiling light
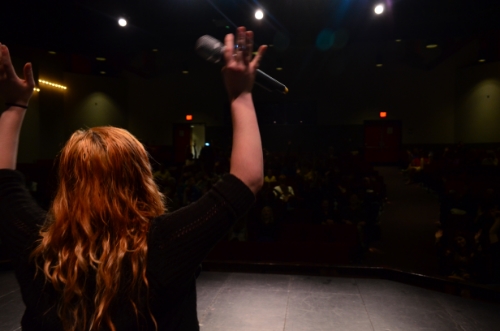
379,9
259,14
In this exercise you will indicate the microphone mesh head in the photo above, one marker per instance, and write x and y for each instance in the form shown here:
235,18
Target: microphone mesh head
209,49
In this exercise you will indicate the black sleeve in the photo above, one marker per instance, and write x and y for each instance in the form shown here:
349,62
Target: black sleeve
179,241
20,216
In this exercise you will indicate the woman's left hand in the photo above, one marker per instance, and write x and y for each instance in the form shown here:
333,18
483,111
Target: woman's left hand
13,89
240,70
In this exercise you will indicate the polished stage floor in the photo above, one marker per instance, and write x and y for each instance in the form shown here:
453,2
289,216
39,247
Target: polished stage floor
267,302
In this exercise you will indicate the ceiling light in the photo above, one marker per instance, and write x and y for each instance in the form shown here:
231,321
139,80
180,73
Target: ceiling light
100,58
103,72
379,9
430,46
379,65
279,68
52,52
398,40
122,22
259,14
482,60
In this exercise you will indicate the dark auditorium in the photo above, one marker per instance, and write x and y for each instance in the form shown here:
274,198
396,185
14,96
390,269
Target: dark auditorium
265,165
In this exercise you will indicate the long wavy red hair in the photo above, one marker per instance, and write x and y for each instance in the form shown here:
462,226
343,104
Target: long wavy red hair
98,226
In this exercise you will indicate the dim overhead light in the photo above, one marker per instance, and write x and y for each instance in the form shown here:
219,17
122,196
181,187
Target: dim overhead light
103,72
100,58
378,65
52,52
398,40
279,68
430,46
482,60
185,72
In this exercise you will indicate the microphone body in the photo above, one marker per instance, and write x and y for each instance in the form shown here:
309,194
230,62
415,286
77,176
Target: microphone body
212,50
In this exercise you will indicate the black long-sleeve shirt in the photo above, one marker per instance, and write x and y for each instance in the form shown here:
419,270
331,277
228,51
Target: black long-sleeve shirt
177,243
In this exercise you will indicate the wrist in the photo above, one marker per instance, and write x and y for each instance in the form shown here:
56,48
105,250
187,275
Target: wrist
242,97
21,105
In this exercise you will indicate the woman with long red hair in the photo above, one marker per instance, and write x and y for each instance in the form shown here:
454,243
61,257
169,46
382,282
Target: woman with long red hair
107,255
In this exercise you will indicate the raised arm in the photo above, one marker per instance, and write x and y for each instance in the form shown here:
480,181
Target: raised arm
16,93
239,76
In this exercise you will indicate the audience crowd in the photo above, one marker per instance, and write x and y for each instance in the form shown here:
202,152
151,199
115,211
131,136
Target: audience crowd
467,182
313,189
332,190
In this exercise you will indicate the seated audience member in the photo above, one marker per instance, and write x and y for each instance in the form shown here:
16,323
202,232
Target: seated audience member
267,228
270,178
325,213
354,214
191,191
239,232
171,199
283,191
460,258
203,182
207,159
495,250
162,176
490,159
416,166
486,217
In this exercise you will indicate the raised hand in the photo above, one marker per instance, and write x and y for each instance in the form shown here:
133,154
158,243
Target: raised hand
240,69
13,89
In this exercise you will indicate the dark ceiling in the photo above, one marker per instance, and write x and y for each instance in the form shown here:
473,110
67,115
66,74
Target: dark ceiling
90,28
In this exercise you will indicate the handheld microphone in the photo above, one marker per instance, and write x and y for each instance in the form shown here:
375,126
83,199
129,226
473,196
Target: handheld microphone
212,50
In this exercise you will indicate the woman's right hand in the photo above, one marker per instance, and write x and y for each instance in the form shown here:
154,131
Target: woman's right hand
239,72
13,89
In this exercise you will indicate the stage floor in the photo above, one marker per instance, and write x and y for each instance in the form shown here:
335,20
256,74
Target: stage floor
267,302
